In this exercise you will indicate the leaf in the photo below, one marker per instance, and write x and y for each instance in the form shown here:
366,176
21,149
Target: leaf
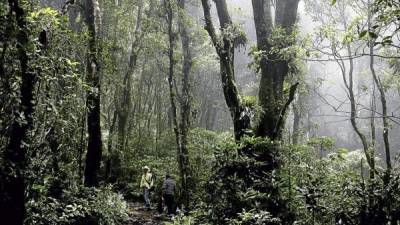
333,2
362,34
372,35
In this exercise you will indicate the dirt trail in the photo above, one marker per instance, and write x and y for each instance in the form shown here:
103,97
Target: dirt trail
139,216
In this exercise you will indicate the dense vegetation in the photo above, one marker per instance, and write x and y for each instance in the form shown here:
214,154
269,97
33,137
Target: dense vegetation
265,112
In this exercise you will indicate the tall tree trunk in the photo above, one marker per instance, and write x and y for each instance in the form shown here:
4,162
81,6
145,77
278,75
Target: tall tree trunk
159,113
296,123
108,164
94,149
385,121
373,113
353,110
73,14
124,105
13,185
185,106
373,131
274,69
172,94
226,50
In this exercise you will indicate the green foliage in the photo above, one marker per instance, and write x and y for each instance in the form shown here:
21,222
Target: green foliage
182,220
387,15
250,101
255,217
334,187
202,143
79,206
323,143
254,181
283,46
315,186
163,159
245,180
235,34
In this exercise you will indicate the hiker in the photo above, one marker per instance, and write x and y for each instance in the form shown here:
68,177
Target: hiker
146,183
168,190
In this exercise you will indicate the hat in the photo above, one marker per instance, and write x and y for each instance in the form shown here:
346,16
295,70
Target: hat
146,168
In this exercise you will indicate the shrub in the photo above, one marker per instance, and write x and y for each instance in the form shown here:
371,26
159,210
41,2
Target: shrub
78,207
244,185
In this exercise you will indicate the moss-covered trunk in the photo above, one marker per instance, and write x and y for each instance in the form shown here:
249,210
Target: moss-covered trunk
274,69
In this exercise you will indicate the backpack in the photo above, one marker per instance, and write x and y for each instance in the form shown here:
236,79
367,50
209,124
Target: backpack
151,181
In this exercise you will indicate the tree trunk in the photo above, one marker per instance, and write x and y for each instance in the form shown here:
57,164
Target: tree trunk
212,118
273,69
109,163
296,123
13,183
385,121
124,106
373,131
94,150
159,112
185,106
225,51
353,110
172,94
125,103
73,14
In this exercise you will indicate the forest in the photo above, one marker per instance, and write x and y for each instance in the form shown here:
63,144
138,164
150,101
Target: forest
200,112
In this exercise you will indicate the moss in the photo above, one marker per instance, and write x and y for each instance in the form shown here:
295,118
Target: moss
250,101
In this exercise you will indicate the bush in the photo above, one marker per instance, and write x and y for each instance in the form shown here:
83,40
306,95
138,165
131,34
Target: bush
243,188
82,206
335,187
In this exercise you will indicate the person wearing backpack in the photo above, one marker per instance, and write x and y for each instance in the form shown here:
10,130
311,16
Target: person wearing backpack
168,190
147,184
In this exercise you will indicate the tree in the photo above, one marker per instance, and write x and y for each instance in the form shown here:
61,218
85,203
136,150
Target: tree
94,148
185,104
387,15
14,183
343,52
225,47
274,68
181,129
382,93
123,104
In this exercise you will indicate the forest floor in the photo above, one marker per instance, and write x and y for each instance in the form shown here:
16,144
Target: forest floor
140,216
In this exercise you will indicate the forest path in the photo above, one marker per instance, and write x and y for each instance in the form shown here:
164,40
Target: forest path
139,216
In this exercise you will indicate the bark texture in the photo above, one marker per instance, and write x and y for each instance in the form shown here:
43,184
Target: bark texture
94,149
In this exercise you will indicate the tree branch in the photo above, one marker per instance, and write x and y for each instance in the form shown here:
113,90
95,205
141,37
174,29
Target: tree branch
209,26
281,120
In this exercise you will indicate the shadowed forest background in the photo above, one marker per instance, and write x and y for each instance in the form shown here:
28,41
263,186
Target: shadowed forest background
264,111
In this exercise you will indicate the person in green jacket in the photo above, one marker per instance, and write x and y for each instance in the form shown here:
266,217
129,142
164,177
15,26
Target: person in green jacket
146,183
